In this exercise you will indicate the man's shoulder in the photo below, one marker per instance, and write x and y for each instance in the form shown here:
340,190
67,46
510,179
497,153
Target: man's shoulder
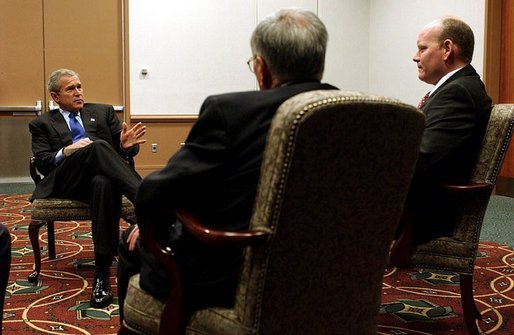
278,92
97,106
45,117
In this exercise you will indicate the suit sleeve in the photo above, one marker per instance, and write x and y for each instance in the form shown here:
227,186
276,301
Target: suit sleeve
450,121
194,167
42,149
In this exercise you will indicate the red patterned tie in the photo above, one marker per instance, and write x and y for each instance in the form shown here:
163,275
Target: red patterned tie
422,101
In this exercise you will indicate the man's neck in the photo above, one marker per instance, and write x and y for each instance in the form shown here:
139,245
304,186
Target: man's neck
445,78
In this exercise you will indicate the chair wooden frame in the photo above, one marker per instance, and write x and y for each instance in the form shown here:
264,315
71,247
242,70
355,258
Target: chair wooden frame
172,316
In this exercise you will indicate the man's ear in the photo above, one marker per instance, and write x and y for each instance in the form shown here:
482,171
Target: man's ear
449,49
263,74
54,96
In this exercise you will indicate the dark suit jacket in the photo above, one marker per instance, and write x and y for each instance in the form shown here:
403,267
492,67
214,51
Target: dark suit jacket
456,114
215,175
50,133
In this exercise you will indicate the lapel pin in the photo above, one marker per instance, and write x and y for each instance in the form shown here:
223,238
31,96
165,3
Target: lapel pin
92,119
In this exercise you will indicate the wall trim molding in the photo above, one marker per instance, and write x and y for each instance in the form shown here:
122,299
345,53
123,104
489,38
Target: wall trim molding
163,118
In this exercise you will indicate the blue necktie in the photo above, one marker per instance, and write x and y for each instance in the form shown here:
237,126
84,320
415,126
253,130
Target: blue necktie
77,131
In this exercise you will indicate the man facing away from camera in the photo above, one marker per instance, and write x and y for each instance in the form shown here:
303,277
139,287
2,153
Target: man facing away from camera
215,173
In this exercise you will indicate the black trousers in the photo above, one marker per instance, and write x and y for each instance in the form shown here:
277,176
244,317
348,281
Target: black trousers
98,175
209,274
5,264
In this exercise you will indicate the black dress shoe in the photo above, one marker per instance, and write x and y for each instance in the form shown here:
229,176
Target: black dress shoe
102,295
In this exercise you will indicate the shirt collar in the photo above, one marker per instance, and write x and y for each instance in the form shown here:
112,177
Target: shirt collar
66,113
444,79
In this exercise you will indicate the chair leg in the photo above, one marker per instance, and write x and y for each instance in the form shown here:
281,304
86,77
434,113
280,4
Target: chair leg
469,308
51,239
34,241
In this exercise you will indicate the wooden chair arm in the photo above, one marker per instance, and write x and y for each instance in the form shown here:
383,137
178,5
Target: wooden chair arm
171,320
401,251
219,237
471,188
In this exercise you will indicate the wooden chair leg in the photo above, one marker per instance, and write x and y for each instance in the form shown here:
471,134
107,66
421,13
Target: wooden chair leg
34,241
469,308
51,239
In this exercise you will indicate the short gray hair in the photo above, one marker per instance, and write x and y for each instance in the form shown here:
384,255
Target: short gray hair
293,43
54,81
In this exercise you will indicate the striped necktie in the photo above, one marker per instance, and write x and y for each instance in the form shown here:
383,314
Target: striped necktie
423,100
77,131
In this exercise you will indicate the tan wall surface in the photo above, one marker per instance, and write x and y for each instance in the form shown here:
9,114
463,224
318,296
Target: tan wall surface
39,36
167,134
88,41
21,53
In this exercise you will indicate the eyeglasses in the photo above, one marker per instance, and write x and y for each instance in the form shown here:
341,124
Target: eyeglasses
251,62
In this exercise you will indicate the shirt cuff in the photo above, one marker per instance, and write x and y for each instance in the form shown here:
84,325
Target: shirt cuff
59,157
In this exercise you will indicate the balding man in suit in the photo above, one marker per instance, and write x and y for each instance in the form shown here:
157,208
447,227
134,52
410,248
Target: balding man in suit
457,112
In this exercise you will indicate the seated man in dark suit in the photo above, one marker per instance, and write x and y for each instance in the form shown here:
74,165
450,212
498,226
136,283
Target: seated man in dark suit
215,173
457,111
5,265
82,148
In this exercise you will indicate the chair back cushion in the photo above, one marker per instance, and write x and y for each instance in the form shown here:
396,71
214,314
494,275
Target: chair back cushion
487,168
496,142
335,174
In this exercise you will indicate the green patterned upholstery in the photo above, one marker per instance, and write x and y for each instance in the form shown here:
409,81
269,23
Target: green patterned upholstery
55,209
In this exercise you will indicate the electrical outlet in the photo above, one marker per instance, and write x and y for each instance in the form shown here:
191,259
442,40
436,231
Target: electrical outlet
154,147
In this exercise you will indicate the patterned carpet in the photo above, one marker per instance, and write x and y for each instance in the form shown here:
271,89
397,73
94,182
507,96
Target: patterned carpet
413,302
428,302
59,303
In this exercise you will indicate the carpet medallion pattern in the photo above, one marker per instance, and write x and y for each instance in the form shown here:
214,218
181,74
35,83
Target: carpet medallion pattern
413,302
428,302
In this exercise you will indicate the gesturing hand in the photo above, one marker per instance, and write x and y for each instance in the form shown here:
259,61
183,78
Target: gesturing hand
132,136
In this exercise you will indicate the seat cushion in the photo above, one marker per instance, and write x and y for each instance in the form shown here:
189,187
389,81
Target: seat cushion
446,253
56,209
142,312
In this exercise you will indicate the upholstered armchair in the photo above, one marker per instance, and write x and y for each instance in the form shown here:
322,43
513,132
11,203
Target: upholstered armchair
47,211
335,174
457,252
